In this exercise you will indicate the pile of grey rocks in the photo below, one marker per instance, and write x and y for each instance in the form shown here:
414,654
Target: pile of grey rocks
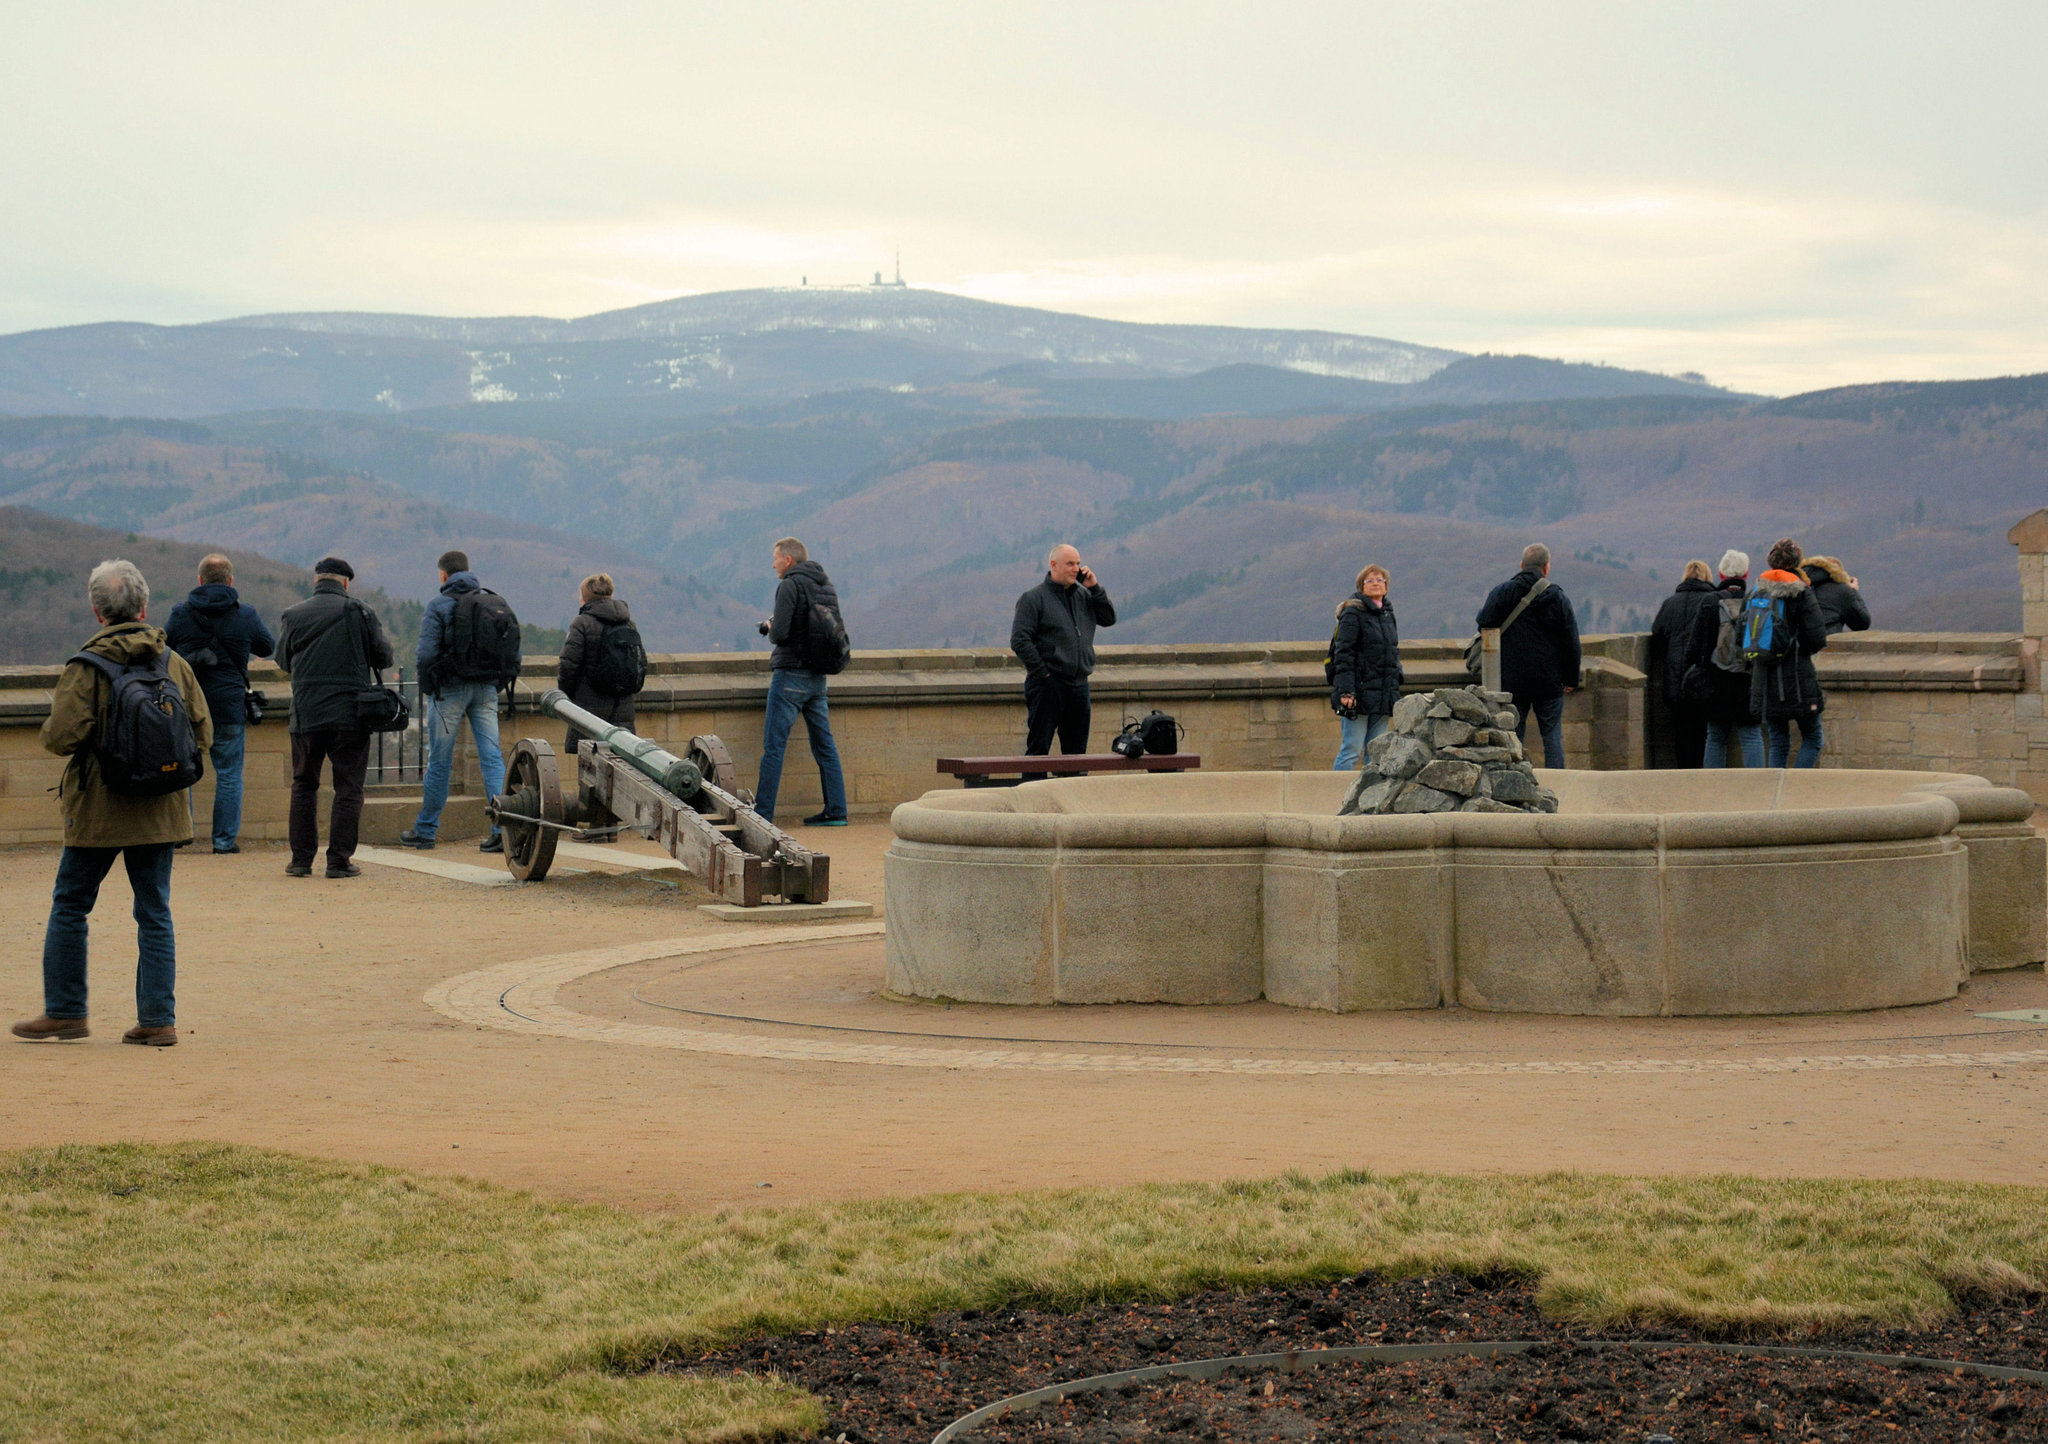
1456,749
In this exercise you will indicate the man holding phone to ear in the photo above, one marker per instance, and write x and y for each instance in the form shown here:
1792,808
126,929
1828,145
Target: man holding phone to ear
1054,637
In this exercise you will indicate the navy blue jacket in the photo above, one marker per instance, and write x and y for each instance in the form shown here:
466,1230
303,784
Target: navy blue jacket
214,620
1539,655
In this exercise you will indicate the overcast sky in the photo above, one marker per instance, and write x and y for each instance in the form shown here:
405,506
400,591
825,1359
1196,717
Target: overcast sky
1783,196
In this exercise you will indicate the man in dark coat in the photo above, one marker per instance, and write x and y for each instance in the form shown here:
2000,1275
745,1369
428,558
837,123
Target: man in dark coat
1789,688
1053,635
217,632
576,668
1671,649
1539,654
328,644
1365,660
795,689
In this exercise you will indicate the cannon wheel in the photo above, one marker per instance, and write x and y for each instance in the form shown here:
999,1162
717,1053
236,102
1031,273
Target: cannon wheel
533,788
714,761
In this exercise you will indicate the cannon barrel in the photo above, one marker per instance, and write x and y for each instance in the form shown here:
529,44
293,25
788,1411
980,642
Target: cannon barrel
676,775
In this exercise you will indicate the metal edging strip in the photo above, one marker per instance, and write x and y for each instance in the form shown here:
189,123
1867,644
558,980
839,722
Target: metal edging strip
1294,1360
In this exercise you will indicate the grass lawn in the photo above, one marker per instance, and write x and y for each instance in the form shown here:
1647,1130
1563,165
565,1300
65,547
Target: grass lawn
205,1292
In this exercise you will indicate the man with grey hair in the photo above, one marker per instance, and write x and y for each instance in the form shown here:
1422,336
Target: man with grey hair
1539,647
112,806
1053,635
1721,681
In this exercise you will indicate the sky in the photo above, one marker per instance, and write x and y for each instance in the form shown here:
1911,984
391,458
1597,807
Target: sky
1782,197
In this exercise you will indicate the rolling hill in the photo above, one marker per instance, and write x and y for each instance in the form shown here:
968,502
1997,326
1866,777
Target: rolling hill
44,561
713,352
181,482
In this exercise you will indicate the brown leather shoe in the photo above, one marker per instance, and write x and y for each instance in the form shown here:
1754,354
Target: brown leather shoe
52,1030
162,1037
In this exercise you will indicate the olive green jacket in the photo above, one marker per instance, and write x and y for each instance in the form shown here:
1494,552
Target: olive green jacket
93,815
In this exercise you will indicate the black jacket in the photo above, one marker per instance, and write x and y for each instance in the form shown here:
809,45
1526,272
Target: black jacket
317,646
1671,635
1368,657
579,650
801,587
1053,632
1539,655
214,621
1725,697
1791,688
1842,608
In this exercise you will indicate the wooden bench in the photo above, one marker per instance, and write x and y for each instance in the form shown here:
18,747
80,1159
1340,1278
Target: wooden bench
984,771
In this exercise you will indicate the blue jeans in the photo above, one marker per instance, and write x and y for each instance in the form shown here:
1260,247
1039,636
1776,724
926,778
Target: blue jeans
1358,733
478,701
1749,734
791,692
80,871
1549,726
226,756
1809,740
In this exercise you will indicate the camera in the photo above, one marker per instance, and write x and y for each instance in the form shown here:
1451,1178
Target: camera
763,628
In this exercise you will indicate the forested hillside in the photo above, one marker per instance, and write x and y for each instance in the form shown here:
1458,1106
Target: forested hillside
44,561
932,514
184,482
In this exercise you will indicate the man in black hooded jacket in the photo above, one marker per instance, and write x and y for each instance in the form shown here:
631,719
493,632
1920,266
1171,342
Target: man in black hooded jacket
1053,635
794,689
217,632
1539,654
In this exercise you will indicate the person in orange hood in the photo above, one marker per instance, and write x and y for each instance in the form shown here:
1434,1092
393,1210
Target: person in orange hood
1787,686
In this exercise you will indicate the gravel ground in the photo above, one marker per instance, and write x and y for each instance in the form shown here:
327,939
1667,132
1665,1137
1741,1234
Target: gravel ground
892,1384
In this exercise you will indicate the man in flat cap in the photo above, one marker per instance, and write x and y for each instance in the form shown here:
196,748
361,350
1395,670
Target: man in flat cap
328,644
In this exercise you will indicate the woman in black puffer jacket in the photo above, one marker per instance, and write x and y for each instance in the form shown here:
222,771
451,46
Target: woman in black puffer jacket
1365,681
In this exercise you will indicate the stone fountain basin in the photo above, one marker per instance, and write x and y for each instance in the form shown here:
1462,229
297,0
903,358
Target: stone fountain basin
1646,894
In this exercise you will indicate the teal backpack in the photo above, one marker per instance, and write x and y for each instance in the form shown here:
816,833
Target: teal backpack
1767,631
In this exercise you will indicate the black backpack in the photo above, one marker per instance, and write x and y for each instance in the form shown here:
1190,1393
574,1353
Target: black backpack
145,746
1161,733
618,665
483,642
827,649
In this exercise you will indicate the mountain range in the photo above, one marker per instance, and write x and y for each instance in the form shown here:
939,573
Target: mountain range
691,354
1226,484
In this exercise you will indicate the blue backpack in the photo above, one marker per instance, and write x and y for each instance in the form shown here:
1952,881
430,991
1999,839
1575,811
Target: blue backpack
1767,630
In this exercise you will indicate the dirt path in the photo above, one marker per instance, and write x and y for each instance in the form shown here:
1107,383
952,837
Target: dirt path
301,1005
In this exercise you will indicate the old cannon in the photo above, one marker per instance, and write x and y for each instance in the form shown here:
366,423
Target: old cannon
688,804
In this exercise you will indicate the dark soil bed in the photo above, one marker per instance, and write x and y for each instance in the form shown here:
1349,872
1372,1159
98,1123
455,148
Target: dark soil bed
895,1384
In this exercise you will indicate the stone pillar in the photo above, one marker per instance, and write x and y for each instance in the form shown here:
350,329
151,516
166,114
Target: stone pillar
2030,715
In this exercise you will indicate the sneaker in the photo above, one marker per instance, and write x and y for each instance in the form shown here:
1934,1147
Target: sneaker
347,869
494,843
52,1030
230,849
162,1037
409,838
298,869
824,819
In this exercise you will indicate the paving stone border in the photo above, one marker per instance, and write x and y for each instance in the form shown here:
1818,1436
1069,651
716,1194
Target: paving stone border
520,997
